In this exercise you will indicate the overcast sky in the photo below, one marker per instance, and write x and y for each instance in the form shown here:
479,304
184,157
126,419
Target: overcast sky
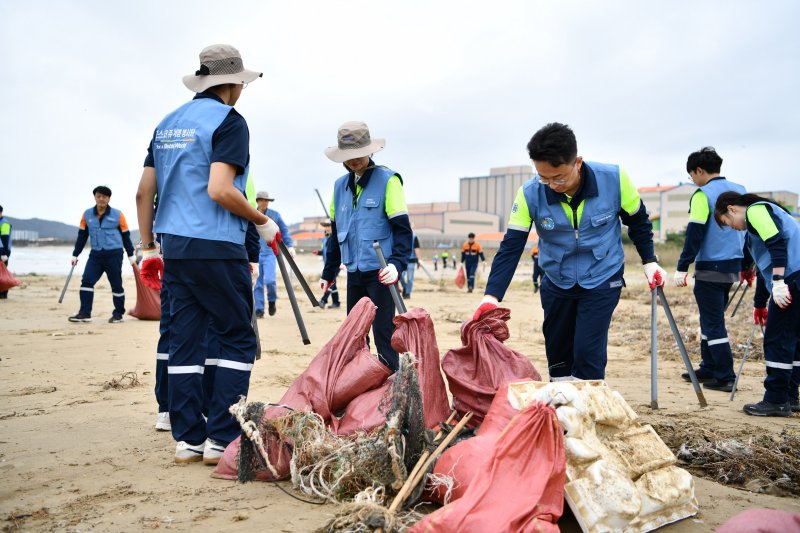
456,87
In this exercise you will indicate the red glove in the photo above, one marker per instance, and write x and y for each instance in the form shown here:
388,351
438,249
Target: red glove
760,316
152,269
274,243
325,285
748,276
488,303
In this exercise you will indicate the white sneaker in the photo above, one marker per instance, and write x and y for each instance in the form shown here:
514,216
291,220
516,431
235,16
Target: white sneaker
162,422
212,452
188,453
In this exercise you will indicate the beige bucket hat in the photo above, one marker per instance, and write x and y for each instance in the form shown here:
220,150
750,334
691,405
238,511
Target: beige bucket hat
353,142
264,195
219,64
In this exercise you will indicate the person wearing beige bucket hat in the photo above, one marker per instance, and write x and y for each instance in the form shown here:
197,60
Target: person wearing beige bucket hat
368,205
197,166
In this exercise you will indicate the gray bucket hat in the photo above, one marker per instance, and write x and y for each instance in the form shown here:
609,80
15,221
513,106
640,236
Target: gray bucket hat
264,195
219,64
353,142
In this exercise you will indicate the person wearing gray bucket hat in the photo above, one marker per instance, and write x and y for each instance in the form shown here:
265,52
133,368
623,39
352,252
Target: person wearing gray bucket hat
197,166
368,205
267,260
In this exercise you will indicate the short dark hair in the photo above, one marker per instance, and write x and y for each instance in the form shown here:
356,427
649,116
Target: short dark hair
555,144
706,158
742,200
1,208
471,236
102,189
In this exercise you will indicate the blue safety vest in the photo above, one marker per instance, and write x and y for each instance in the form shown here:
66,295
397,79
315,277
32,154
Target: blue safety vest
720,243
589,254
790,232
104,235
357,227
182,152
266,249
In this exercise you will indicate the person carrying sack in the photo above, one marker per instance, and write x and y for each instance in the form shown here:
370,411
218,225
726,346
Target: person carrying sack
774,241
5,245
368,205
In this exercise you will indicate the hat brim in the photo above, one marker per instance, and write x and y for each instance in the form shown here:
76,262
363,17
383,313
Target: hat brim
262,198
338,155
198,84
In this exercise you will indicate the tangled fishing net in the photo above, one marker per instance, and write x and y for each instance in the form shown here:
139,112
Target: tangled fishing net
362,468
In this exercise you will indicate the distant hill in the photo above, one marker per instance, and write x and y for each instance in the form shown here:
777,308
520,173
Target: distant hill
48,229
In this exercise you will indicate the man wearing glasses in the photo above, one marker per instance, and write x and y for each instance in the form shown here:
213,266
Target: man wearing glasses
577,207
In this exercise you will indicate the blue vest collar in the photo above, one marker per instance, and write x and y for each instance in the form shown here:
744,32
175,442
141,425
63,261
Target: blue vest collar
208,94
587,189
351,177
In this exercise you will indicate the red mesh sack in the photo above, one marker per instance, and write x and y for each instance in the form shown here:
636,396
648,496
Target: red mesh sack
148,301
476,370
762,520
414,333
331,376
462,460
461,277
518,487
7,279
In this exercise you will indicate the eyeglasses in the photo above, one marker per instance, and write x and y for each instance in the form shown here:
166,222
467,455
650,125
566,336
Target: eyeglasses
549,182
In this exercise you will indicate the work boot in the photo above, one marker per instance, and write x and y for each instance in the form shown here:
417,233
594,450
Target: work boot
723,386
765,408
702,376
336,305
259,313
322,304
469,289
272,308
80,317
794,405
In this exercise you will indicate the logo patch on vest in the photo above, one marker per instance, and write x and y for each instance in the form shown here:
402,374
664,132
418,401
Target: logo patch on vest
547,223
515,207
371,202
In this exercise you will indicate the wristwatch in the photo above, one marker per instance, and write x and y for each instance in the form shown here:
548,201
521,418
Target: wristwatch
777,277
149,246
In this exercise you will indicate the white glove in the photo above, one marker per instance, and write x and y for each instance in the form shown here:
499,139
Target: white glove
74,260
254,273
132,259
292,252
3,258
780,294
680,278
488,303
656,276
325,284
268,231
388,275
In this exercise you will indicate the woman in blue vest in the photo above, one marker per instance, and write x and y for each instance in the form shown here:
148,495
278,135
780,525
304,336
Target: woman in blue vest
197,166
576,207
5,244
368,205
719,255
774,241
109,233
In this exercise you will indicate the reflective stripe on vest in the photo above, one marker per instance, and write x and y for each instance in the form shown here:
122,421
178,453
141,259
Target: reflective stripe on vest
358,227
720,243
182,152
790,233
104,235
591,255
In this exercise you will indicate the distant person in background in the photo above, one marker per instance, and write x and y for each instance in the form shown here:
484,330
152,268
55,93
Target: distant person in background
471,251
109,233
537,271
407,278
435,262
267,261
445,256
333,290
5,244
454,262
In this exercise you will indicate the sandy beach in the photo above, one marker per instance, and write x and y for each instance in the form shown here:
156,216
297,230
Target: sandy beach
78,451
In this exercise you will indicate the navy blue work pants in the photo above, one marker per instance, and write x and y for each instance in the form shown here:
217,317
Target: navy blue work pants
575,327
333,291
782,349
100,262
360,284
471,265
715,349
201,291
